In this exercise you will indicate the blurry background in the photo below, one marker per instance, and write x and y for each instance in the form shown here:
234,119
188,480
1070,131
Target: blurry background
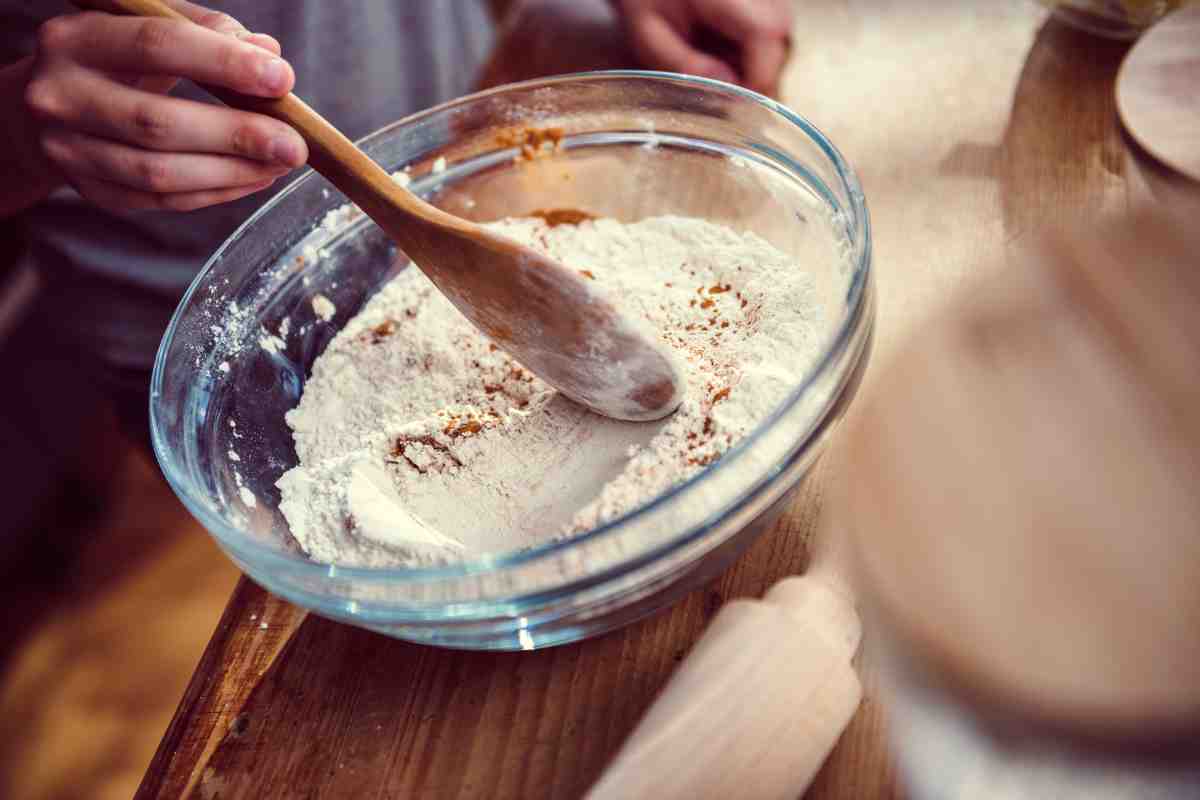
110,591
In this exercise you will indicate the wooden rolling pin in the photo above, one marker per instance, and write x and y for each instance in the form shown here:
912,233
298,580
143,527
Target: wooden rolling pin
759,703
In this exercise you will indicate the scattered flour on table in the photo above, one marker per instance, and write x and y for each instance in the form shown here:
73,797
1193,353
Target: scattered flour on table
420,442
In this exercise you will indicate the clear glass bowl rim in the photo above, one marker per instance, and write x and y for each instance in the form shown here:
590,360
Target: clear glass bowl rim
270,558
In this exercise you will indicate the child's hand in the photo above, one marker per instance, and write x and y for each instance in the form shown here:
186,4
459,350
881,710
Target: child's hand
98,113
671,35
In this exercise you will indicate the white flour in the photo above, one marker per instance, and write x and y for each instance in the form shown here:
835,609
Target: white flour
420,442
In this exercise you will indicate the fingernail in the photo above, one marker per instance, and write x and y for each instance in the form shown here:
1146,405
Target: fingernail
273,75
259,40
287,150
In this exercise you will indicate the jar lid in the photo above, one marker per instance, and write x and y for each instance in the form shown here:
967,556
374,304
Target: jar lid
1158,92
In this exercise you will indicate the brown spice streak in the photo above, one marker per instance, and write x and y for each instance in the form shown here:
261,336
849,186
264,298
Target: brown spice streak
468,428
404,441
382,331
562,216
531,141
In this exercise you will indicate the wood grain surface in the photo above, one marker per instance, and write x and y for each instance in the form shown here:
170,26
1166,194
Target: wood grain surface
970,124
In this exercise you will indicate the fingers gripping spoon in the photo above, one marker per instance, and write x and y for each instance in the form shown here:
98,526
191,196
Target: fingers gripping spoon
547,316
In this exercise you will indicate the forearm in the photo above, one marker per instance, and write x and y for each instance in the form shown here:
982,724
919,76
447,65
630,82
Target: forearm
29,177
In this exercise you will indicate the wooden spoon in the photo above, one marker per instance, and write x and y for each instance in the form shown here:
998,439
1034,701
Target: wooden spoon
547,316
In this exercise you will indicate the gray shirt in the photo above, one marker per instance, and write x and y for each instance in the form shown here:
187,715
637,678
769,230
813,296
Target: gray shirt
361,63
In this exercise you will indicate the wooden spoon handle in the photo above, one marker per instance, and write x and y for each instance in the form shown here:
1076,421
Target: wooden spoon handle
329,151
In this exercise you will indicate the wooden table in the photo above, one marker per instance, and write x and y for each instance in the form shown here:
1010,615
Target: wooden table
970,123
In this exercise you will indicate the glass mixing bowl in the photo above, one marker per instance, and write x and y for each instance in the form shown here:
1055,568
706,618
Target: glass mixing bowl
629,145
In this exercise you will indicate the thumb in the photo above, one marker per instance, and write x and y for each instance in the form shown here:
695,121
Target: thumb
660,46
221,22
762,63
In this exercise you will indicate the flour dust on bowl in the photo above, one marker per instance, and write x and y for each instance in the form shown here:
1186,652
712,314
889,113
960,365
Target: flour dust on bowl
358,451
